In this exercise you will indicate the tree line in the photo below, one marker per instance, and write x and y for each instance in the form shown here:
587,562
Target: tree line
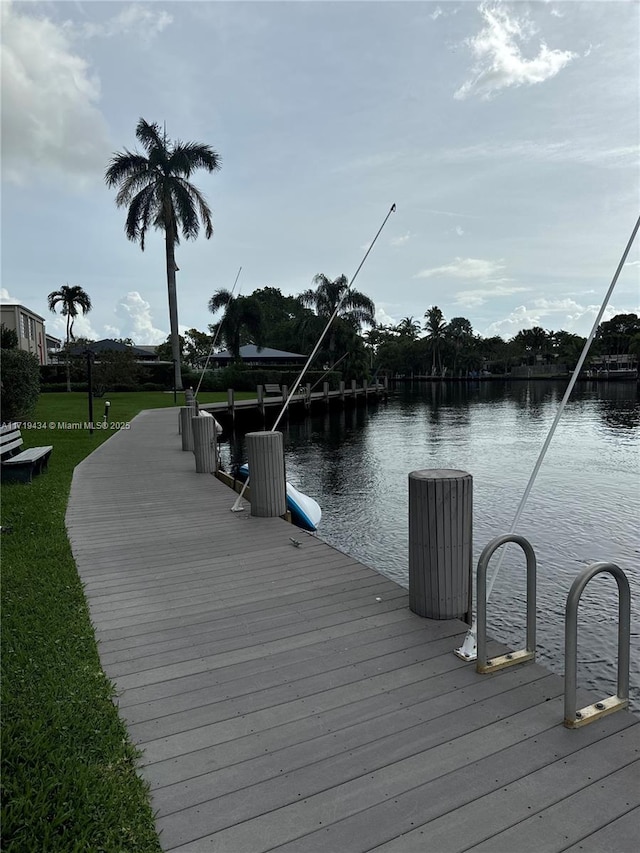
155,188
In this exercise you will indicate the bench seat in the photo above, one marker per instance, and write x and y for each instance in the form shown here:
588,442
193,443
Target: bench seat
20,465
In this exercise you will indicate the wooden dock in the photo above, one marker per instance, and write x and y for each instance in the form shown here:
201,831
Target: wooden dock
285,698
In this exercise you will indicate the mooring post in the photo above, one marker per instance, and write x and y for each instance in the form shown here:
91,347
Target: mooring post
186,413
265,453
231,409
205,444
307,395
325,392
260,395
365,387
341,387
440,543
353,388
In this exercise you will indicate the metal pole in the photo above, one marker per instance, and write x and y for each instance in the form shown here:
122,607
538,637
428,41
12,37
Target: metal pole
90,384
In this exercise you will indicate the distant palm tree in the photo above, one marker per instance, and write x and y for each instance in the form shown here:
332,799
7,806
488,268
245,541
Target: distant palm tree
434,328
356,308
158,193
409,328
71,301
242,316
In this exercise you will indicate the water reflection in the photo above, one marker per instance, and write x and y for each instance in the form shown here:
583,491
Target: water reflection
584,507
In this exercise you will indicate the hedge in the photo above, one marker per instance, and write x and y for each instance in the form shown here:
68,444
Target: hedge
20,384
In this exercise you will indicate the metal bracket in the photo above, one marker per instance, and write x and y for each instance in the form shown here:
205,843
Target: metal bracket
483,665
573,718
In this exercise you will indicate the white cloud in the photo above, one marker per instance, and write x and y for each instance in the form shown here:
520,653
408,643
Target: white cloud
134,316
137,20
400,241
5,296
478,296
473,268
459,231
82,327
550,314
436,13
499,60
384,319
50,118
589,151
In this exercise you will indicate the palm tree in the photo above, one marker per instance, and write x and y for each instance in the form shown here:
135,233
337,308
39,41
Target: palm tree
355,308
409,328
242,317
71,300
460,332
434,328
158,193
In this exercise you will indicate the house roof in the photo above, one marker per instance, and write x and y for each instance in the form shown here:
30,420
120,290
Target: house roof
109,345
251,352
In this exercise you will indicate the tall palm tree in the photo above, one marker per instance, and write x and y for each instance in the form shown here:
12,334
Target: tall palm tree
356,308
71,300
434,328
157,191
242,317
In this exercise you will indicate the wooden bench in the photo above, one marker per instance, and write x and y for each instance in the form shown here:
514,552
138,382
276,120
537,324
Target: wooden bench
18,465
272,389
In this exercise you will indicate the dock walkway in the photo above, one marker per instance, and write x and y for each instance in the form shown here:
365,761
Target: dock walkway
285,697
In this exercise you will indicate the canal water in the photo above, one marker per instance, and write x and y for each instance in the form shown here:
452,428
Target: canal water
584,507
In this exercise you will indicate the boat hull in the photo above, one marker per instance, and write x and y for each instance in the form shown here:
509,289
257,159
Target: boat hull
305,511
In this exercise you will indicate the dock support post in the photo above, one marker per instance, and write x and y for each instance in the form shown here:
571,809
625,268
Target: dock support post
341,387
365,388
307,396
353,390
205,444
440,543
260,395
325,392
186,413
231,407
265,452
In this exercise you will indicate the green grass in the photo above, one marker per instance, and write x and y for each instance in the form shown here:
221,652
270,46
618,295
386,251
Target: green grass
68,768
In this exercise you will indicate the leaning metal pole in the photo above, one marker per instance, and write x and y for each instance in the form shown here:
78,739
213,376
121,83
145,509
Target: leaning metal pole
468,650
236,506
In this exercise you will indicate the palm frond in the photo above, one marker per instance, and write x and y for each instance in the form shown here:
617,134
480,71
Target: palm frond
203,207
185,209
220,299
140,209
149,135
186,157
123,166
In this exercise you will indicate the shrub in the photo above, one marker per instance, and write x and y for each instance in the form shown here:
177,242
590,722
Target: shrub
20,384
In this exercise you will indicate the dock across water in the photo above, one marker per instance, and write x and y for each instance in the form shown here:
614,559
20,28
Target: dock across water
286,698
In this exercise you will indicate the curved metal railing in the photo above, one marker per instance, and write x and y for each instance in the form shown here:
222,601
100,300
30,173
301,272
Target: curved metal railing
573,718
522,655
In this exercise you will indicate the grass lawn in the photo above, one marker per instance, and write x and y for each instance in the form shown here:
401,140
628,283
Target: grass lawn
68,769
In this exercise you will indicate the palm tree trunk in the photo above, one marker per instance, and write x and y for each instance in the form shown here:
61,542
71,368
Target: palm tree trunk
67,359
173,307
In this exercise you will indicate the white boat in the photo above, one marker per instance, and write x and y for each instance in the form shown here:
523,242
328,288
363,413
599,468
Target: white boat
205,414
305,512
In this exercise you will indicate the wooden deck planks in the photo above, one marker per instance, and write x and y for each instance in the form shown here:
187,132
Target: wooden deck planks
286,698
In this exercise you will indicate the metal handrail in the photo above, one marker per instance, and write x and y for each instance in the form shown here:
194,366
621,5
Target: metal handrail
522,655
573,718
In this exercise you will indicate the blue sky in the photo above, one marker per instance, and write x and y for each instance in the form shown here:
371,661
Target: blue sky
507,134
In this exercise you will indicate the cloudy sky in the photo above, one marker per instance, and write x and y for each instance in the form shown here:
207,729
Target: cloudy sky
506,134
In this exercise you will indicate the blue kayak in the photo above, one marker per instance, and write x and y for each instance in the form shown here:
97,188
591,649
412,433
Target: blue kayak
305,512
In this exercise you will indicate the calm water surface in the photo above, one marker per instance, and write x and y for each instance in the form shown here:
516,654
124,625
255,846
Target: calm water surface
584,506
